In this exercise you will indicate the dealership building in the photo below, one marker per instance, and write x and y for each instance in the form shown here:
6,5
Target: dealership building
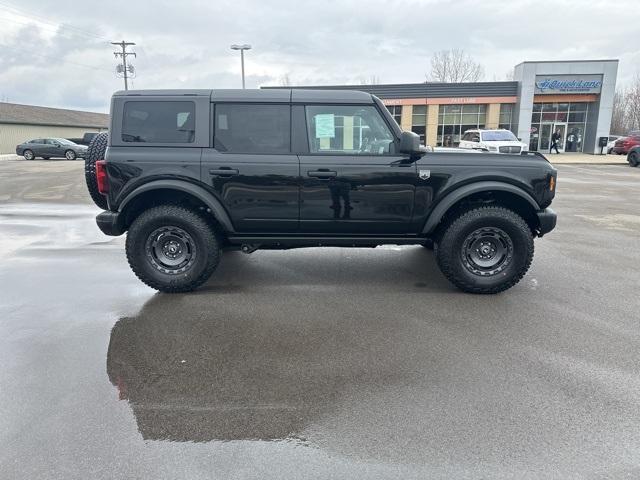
574,98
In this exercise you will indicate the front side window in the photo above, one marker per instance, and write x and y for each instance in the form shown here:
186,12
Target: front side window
159,122
348,129
252,128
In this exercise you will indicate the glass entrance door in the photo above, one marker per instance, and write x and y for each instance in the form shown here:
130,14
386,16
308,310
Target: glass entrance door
545,137
546,132
561,128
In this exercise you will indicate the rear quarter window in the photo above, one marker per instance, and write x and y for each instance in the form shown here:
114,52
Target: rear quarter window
252,128
158,122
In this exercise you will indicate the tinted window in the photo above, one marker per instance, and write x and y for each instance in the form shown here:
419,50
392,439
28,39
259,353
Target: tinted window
250,128
353,129
159,122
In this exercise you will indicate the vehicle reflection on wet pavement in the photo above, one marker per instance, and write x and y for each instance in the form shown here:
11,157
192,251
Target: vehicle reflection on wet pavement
316,363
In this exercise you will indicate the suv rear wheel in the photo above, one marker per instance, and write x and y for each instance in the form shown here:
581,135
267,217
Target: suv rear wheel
96,151
485,250
172,248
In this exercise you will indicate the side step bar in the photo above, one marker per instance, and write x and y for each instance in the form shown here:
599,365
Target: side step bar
311,241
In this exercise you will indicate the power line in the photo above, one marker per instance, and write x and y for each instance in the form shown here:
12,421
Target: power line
58,25
58,59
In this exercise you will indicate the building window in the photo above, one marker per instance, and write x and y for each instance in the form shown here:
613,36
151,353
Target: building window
247,128
454,120
419,121
568,118
396,112
506,114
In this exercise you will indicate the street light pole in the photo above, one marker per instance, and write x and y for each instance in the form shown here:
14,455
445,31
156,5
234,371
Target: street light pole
242,48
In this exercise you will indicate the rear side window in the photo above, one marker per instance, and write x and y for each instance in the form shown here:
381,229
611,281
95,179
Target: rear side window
159,122
252,128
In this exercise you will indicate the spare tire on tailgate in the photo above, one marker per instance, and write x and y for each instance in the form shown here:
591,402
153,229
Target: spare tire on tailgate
96,151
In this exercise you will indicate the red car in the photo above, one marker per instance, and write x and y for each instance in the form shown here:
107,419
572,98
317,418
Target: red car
625,144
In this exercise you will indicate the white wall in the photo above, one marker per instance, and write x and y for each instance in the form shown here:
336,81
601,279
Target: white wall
14,134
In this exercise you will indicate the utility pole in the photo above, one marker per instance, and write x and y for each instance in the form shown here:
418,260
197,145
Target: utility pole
124,55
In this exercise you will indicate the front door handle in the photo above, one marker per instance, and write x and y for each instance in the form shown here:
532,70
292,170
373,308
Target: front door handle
322,174
223,172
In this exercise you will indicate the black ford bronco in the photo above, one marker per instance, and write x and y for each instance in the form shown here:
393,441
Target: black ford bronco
190,173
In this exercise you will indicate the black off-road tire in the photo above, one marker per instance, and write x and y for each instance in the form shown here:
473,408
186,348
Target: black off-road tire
428,244
633,159
143,259
452,254
96,151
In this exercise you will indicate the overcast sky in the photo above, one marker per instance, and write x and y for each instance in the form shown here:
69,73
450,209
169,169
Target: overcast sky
58,53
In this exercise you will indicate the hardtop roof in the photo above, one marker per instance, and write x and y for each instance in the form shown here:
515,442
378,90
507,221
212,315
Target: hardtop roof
275,95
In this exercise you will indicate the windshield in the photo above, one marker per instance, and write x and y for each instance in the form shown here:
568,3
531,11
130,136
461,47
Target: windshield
64,141
499,136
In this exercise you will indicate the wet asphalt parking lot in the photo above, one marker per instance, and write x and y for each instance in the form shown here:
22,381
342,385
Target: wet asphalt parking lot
317,363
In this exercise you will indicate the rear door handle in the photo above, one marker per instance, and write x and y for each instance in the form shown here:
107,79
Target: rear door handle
322,174
223,172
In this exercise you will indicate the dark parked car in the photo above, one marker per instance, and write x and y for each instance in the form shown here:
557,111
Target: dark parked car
189,173
625,144
51,148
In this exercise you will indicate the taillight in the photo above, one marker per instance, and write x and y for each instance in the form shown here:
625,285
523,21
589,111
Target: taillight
101,177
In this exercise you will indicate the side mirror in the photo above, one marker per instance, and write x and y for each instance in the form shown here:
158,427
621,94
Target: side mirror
410,143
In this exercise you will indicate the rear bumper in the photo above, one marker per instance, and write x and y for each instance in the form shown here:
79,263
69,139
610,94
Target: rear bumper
110,223
547,219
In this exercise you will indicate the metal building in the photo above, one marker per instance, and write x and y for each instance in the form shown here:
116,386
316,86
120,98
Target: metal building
19,123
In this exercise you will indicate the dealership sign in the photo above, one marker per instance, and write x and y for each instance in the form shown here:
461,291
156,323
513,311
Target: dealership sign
556,84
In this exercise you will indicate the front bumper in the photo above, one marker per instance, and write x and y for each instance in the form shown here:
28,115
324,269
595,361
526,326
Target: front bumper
547,219
110,223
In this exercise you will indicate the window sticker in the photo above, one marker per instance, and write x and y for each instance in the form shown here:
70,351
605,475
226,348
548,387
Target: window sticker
222,122
325,125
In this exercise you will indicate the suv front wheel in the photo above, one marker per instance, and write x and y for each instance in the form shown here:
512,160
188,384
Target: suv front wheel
172,248
485,250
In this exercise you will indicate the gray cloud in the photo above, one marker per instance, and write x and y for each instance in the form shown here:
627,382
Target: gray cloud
62,57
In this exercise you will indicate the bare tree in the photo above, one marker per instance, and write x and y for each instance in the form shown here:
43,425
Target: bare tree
454,66
626,108
372,80
632,101
285,81
619,114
